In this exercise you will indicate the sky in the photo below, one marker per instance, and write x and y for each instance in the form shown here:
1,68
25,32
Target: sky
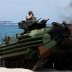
16,10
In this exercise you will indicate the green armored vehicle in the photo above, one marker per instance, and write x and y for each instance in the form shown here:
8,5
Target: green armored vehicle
38,47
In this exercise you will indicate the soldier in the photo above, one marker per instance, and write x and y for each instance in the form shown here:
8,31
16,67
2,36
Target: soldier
30,20
29,23
30,16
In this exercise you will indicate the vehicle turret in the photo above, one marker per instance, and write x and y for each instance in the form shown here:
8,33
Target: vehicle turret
32,24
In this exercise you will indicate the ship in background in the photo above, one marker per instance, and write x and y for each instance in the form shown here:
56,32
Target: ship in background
39,47
5,22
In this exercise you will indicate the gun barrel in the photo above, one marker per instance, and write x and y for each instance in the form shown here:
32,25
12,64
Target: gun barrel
47,19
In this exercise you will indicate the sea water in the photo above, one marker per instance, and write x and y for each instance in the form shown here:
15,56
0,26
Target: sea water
9,30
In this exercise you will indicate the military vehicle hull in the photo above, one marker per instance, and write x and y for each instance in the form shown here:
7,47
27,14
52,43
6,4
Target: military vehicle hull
44,47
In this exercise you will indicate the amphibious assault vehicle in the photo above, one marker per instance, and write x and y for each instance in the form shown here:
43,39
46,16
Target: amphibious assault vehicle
38,46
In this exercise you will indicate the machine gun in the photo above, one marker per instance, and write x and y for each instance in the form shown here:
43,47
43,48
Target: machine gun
32,24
